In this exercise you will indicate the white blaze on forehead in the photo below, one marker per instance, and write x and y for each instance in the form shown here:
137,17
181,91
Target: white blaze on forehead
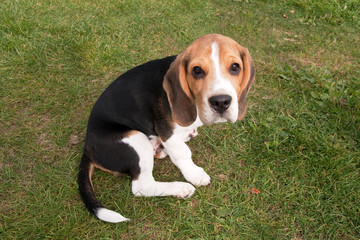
215,56
220,83
216,61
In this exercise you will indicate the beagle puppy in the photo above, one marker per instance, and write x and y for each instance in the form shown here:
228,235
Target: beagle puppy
154,108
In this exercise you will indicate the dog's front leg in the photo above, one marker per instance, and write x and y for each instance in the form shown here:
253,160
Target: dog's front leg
180,155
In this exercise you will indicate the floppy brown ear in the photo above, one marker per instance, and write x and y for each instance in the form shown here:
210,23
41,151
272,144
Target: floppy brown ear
181,102
248,78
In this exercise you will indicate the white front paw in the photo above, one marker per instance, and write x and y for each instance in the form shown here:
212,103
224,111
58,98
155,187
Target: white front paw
182,189
197,176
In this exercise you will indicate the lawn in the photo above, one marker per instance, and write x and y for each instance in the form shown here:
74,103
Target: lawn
299,144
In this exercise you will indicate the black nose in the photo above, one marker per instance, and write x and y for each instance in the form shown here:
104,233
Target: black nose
220,103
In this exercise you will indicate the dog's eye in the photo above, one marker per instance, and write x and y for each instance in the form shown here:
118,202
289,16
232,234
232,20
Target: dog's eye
197,72
234,69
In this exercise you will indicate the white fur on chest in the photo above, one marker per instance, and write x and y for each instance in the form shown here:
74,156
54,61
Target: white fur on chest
180,134
184,134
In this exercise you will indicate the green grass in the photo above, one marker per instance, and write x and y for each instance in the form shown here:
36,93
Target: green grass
299,143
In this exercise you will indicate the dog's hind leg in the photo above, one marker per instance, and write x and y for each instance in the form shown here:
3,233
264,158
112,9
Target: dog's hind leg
144,183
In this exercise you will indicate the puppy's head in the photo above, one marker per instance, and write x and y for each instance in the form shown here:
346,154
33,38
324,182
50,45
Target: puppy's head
211,78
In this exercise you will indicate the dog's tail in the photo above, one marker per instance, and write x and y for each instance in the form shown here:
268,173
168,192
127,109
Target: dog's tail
88,196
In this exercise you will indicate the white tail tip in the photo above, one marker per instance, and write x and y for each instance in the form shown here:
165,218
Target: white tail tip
109,216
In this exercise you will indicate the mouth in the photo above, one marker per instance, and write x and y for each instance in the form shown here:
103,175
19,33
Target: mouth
210,116
224,117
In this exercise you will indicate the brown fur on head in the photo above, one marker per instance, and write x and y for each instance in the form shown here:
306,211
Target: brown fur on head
189,92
